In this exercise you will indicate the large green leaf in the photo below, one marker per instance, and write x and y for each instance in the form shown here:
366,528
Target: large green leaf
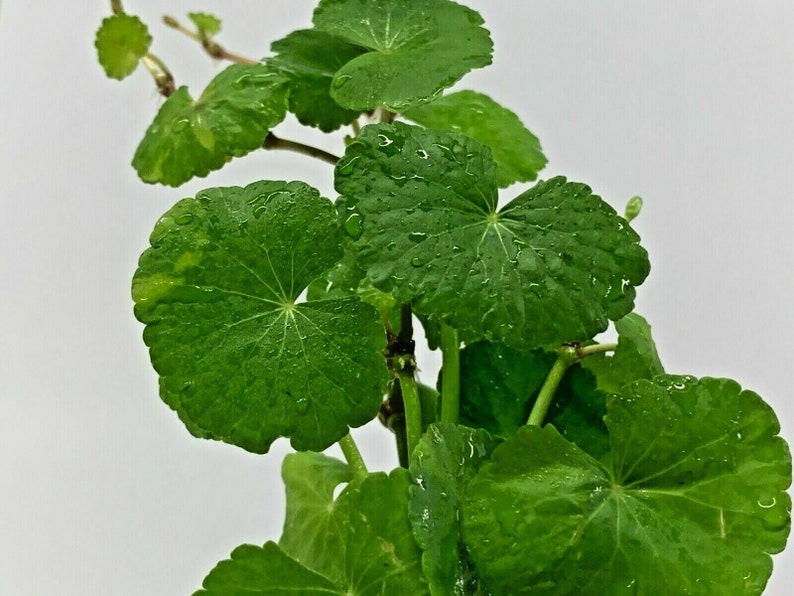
259,571
515,150
692,500
552,266
231,118
416,48
121,41
362,542
443,463
239,360
310,59
635,357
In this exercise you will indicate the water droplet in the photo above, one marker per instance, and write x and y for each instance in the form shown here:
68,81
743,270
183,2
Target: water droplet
180,124
302,405
183,219
384,140
340,81
346,168
422,153
354,226
417,236
417,262
767,504
242,80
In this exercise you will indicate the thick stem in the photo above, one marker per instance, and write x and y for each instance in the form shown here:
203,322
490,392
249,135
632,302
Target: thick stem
585,351
413,407
567,356
274,142
450,374
353,456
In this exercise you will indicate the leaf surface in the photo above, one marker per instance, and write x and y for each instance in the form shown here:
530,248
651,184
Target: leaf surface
691,500
551,266
207,24
310,59
415,49
443,463
515,150
231,118
238,358
121,41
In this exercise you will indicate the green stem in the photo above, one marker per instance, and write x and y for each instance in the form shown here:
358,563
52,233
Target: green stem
567,356
586,351
450,374
274,142
353,456
413,408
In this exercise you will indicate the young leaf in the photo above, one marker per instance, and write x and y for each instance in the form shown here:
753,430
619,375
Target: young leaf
231,118
550,267
443,463
692,501
207,24
239,360
635,357
121,41
515,150
259,571
310,59
375,550
416,48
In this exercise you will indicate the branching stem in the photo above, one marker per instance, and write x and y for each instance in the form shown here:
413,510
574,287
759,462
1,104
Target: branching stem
274,142
353,456
213,48
450,374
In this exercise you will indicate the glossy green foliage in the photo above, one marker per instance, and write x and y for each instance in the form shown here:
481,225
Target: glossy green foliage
121,41
691,501
515,150
239,359
414,49
232,117
553,265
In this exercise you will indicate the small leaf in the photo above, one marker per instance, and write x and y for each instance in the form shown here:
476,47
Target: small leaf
633,208
515,150
443,463
552,266
310,59
634,359
364,543
121,41
231,118
416,48
254,570
692,500
239,359
207,24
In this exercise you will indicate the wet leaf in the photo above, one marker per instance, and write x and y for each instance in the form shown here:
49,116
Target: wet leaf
121,41
238,358
310,59
231,118
415,48
515,150
691,501
552,266
443,463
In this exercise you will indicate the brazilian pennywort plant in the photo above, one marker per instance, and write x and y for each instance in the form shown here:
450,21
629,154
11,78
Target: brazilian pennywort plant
543,462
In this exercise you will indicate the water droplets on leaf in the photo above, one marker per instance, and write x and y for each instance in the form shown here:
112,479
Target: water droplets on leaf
354,225
302,405
417,262
417,237
340,81
180,124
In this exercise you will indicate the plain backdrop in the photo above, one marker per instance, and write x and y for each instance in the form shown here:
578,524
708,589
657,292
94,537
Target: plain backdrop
102,490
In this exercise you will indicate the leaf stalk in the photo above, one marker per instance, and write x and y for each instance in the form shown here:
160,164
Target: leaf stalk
450,374
274,142
353,456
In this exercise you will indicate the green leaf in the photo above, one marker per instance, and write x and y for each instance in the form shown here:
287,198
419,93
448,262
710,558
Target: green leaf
515,150
635,358
231,118
499,385
416,49
692,500
121,41
239,360
207,24
443,463
254,570
310,59
364,543
552,266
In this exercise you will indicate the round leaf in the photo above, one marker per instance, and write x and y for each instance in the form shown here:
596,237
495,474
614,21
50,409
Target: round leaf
121,41
416,48
550,267
515,150
692,501
207,24
231,118
239,359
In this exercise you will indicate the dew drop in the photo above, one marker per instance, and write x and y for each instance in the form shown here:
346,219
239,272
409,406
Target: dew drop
354,226
417,236
180,124
340,81
417,262
302,405
241,81
422,153
768,505
183,219
346,168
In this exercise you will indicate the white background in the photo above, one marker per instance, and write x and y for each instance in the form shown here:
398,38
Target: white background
102,491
